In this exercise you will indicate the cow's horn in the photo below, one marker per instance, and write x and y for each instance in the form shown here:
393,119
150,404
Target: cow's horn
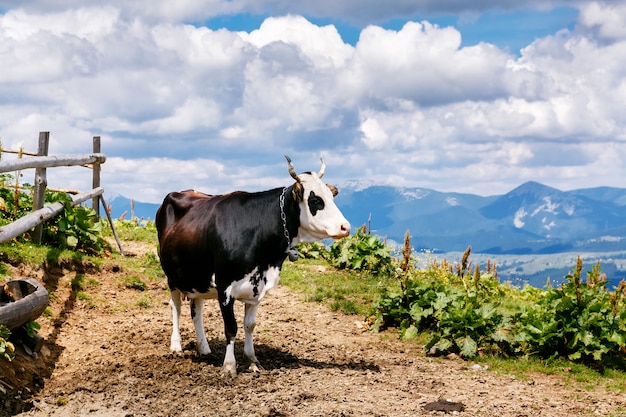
292,171
322,169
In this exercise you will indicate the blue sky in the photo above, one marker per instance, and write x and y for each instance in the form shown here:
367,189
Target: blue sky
493,26
448,95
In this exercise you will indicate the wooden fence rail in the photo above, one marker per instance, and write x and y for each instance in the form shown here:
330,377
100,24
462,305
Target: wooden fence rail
50,161
29,221
40,162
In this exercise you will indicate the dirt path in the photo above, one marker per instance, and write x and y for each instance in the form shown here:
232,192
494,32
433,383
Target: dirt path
107,355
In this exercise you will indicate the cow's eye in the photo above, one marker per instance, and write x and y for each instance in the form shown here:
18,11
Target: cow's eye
315,203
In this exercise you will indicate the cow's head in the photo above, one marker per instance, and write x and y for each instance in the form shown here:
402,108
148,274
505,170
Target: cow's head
320,218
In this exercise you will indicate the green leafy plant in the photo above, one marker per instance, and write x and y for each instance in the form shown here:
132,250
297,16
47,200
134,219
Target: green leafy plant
7,350
472,314
313,250
76,228
361,251
31,328
464,319
581,320
14,203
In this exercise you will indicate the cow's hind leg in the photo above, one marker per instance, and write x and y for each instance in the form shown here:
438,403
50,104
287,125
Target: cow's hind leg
175,302
197,305
249,322
230,329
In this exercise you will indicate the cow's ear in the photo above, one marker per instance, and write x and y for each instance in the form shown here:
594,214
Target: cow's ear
333,189
297,192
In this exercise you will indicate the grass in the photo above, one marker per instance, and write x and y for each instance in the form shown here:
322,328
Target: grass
134,230
133,282
144,302
15,253
344,291
570,373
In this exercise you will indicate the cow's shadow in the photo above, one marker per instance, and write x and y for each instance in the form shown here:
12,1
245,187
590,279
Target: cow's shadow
272,358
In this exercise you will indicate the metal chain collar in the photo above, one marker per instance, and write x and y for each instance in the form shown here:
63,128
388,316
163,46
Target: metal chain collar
291,251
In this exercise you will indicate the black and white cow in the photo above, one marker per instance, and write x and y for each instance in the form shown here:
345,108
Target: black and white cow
232,247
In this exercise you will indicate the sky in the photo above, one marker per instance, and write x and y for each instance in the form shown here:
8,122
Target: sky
463,96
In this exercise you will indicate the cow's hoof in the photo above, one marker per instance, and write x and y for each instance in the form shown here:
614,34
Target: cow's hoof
176,349
204,350
255,367
229,370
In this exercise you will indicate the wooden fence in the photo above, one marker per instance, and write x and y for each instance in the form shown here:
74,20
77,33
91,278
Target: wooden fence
40,161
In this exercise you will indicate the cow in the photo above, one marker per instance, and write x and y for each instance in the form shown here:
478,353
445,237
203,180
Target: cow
232,247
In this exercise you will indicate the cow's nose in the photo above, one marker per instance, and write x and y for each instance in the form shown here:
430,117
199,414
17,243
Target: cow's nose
345,229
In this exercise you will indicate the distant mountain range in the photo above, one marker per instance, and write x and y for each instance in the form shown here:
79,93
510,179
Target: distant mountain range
531,219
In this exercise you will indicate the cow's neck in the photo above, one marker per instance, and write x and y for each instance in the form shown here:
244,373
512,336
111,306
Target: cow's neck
291,251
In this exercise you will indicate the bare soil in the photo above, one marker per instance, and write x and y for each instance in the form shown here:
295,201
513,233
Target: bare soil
107,354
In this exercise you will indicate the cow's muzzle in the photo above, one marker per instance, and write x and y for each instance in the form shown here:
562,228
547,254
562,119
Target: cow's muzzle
344,230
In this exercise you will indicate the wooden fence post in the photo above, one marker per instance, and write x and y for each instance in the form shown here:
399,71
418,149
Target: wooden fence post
95,202
41,182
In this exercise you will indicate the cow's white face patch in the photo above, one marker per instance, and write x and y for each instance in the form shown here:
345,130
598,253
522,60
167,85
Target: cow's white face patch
320,218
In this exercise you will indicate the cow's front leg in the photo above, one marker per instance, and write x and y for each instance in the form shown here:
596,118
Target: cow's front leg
230,329
249,322
196,305
175,345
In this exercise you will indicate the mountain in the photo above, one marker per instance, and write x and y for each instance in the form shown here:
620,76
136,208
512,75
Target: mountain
610,194
122,206
530,219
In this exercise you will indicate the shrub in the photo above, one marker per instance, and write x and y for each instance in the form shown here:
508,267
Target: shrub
467,314
461,311
581,320
313,250
75,228
361,251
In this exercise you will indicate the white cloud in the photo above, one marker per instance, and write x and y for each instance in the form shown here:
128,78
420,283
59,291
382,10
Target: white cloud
606,19
411,106
194,114
425,63
374,136
322,46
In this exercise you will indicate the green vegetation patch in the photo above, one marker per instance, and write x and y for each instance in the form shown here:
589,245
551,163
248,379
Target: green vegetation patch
133,282
345,291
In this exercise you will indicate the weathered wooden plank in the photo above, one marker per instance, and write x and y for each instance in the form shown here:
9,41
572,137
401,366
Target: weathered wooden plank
95,177
31,220
51,161
41,182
